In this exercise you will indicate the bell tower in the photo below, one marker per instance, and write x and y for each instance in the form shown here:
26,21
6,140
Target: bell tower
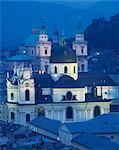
80,46
44,48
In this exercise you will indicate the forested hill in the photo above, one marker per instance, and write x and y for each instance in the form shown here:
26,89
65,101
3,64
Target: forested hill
103,34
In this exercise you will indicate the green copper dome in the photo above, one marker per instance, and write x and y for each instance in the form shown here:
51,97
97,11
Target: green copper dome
32,40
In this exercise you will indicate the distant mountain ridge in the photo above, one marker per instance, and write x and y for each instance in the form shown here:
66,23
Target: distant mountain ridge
18,17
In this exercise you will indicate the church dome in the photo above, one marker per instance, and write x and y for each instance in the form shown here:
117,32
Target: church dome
63,54
32,40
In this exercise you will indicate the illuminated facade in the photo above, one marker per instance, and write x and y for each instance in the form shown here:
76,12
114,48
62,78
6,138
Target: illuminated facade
58,89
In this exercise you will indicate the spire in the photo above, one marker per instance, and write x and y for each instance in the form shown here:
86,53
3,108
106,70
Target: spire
62,39
79,26
43,29
55,38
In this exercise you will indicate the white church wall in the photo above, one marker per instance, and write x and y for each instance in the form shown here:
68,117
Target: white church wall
46,91
81,111
60,69
108,92
31,89
59,92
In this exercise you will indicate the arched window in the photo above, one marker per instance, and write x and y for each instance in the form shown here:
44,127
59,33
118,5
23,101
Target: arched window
69,113
82,67
27,93
55,70
12,116
65,69
74,69
12,96
27,117
97,111
41,111
82,50
69,95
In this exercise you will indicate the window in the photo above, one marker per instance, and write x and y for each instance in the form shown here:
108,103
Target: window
27,117
27,93
69,113
45,51
55,70
74,69
82,67
65,69
12,116
96,111
46,68
81,50
69,95
12,96
94,91
41,111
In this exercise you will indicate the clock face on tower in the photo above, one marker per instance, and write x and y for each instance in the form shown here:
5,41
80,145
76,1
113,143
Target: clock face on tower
26,74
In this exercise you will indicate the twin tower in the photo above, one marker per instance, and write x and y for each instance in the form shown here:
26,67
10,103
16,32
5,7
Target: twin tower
40,48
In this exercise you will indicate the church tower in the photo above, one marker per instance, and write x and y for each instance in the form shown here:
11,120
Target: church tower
80,46
44,48
21,94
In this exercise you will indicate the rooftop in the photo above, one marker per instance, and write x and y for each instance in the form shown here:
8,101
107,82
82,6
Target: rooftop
46,124
20,57
95,142
106,123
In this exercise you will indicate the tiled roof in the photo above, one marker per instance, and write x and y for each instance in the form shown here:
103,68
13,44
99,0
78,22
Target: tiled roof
46,124
20,57
67,82
98,79
107,123
95,142
43,80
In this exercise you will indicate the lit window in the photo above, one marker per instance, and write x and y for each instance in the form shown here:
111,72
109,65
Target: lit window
69,113
27,93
